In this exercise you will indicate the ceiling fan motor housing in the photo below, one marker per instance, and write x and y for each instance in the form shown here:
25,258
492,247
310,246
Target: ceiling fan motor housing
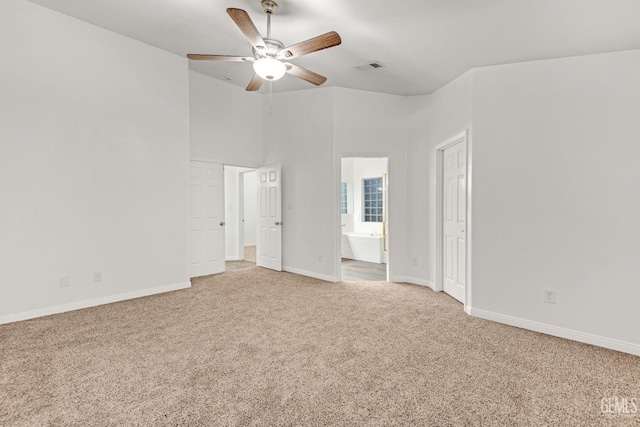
273,46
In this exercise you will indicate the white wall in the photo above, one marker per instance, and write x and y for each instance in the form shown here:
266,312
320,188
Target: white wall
226,128
250,211
299,136
554,167
375,124
225,122
556,179
308,132
433,119
94,166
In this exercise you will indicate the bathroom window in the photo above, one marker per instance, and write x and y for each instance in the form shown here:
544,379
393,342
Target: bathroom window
372,199
344,208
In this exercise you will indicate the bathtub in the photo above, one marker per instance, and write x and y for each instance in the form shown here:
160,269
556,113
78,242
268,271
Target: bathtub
363,247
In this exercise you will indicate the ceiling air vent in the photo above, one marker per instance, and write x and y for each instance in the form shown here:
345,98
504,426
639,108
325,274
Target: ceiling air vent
373,65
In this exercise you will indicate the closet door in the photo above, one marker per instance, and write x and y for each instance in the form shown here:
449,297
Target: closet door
207,219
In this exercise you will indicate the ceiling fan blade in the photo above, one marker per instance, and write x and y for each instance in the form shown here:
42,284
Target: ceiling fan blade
199,57
255,83
246,25
306,75
315,44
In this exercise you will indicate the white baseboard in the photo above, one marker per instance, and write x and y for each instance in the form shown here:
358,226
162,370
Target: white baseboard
310,274
414,281
613,344
78,305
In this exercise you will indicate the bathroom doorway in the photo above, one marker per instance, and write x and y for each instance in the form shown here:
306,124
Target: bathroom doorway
364,218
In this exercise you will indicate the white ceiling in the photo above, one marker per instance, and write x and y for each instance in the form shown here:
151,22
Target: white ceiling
423,44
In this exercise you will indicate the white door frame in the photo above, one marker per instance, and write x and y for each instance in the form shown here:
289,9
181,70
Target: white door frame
462,137
337,268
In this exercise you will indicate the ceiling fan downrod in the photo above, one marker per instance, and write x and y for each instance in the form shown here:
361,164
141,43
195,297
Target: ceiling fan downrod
269,7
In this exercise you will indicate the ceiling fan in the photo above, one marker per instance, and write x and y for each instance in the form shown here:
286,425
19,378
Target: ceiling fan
270,56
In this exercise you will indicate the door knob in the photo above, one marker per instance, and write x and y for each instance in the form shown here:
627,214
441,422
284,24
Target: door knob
222,223
278,223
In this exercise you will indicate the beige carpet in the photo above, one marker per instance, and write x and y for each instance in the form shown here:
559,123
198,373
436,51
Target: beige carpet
255,347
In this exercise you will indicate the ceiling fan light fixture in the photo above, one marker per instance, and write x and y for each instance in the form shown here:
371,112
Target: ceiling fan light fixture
269,68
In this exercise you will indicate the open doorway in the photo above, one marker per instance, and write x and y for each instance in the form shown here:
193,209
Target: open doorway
364,218
240,217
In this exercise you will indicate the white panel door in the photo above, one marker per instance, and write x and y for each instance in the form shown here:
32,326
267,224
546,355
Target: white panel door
207,218
454,204
269,233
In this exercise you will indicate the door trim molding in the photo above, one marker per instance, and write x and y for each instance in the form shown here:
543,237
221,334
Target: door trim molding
462,137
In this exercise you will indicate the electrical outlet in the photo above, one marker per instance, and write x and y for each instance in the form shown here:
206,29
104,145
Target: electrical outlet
97,276
414,261
65,281
320,258
550,296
